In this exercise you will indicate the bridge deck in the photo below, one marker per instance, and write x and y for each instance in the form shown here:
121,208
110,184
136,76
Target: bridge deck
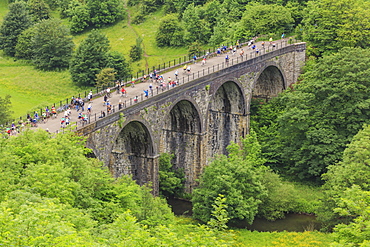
213,64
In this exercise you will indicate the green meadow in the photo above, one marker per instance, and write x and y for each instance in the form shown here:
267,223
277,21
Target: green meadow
245,238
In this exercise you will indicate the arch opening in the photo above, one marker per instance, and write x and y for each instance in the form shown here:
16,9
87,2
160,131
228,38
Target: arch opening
182,137
133,154
226,118
269,84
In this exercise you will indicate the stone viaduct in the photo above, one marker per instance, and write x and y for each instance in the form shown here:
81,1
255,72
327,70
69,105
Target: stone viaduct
194,121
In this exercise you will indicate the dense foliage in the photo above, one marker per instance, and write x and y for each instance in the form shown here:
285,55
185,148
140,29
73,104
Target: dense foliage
92,13
324,112
38,10
52,45
52,194
89,58
265,19
136,51
170,32
354,203
303,132
24,48
106,76
340,178
15,22
238,178
171,180
249,188
92,56
119,63
330,25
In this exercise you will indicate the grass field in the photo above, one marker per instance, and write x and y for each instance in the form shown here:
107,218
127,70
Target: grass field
248,238
32,89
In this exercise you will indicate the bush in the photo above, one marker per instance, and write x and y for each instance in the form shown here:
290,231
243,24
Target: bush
136,51
138,18
171,180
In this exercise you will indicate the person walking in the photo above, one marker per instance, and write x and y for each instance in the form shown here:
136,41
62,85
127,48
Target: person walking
146,92
123,92
204,60
89,108
89,97
151,88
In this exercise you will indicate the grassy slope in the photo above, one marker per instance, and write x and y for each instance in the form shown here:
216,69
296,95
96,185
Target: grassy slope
282,239
31,89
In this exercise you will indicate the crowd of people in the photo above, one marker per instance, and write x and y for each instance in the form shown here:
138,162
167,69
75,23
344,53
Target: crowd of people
156,83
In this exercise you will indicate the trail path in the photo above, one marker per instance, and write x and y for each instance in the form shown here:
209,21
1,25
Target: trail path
145,55
54,124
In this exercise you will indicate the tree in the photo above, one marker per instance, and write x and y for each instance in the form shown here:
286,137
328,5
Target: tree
219,214
330,25
23,214
213,12
263,119
265,19
5,112
24,47
171,181
355,203
324,112
194,48
52,45
149,6
15,22
353,170
54,4
234,9
222,32
52,194
80,18
104,12
170,32
195,28
118,62
136,51
89,59
38,10
237,177
106,76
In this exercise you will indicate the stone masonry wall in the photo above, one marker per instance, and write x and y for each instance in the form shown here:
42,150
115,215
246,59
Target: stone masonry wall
233,84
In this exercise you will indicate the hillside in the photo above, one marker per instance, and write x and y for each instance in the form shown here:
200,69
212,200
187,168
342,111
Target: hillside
32,89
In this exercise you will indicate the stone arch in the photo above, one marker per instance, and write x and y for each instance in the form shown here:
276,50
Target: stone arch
133,154
182,137
189,102
269,83
227,118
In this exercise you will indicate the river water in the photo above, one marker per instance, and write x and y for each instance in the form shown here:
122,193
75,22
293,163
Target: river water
291,222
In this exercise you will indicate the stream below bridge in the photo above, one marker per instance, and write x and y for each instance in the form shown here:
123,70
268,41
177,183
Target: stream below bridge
291,222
